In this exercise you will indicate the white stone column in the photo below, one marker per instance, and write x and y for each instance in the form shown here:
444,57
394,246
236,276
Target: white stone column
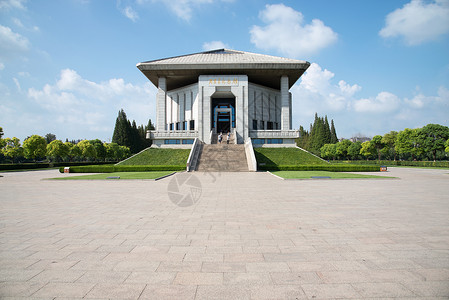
285,104
199,122
245,94
182,109
160,104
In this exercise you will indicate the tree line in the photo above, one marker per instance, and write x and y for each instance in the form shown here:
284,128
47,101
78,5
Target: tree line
127,139
36,148
430,142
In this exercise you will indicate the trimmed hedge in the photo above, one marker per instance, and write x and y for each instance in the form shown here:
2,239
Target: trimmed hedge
30,166
433,164
118,168
330,168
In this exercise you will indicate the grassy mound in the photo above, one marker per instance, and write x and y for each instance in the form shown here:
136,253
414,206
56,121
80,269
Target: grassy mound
285,156
122,175
159,157
332,175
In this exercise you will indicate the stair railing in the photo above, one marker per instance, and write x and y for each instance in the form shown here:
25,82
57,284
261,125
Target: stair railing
192,161
250,156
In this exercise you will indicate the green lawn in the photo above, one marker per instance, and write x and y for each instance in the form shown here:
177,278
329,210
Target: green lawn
158,157
333,175
285,156
123,175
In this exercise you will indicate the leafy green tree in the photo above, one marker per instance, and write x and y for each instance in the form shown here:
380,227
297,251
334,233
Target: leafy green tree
377,144
12,148
389,140
367,149
354,150
100,150
50,137
124,152
112,151
57,150
432,138
74,150
2,141
87,150
35,147
329,151
342,148
406,142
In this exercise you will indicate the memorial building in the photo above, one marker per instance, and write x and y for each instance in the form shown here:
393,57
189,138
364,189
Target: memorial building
203,94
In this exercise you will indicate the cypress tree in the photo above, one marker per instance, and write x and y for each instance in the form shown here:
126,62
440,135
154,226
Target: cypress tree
121,130
327,131
334,138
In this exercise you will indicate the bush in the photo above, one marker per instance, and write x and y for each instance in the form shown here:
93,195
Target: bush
118,168
330,168
31,166
433,164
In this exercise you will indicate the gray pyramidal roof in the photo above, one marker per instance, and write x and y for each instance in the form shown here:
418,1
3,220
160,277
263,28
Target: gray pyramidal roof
261,69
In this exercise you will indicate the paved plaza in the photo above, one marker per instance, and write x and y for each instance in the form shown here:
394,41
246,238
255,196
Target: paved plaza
239,236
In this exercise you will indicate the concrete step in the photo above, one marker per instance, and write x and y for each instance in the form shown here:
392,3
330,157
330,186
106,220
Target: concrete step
223,158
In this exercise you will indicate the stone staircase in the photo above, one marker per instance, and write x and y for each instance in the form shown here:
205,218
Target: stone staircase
222,158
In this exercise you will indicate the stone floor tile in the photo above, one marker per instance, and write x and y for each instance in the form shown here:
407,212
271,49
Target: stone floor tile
213,257
198,278
277,292
103,277
429,288
151,278
58,276
267,267
19,289
169,292
64,289
116,291
244,257
230,292
382,290
332,291
247,278
137,265
214,267
51,264
17,274
180,266
292,278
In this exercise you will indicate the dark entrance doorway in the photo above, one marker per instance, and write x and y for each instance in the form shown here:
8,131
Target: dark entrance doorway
223,114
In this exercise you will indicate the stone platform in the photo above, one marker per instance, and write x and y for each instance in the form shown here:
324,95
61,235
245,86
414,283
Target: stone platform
247,236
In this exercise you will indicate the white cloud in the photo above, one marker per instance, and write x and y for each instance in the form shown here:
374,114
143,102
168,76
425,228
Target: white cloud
9,4
81,105
318,91
11,42
383,102
418,21
213,45
17,83
2,66
286,32
130,13
183,9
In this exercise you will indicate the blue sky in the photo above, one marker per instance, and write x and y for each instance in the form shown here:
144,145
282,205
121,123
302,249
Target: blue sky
68,67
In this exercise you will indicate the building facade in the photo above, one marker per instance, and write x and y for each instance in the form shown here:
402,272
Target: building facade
223,90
